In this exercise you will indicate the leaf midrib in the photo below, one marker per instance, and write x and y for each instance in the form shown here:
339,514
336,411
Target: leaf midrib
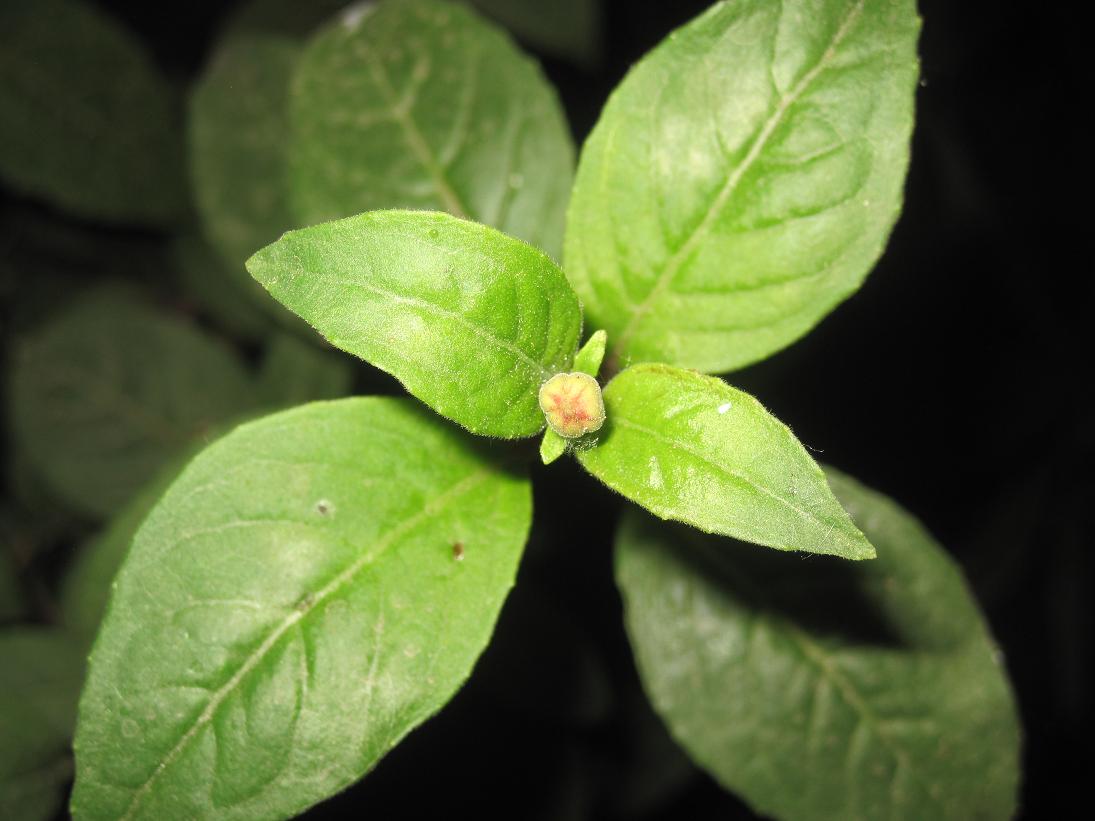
739,478
431,508
673,266
483,333
401,113
816,656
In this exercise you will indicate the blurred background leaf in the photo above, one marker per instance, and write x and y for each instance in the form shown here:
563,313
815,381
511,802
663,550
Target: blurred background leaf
105,392
86,120
570,29
422,104
41,672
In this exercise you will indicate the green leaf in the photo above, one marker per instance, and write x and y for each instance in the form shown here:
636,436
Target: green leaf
237,133
238,137
471,321
552,446
743,178
819,689
11,597
226,293
86,121
691,448
281,18
294,372
565,28
87,586
588,359
314,586
421,104
40,675
108,390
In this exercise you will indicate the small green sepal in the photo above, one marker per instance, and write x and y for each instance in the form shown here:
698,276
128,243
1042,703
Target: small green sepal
588,359
552,446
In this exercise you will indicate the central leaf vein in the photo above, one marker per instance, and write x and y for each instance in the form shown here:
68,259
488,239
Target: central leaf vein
431,508
677,260
401,112
731,474
486,334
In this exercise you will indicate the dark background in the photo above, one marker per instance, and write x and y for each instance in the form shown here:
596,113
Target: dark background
951,382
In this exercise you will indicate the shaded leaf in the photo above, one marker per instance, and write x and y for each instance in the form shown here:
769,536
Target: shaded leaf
820,689
228,295
294,606
11,597
421,104
238,130
589,357
86,121
692,448
40,675
294,372
565,28
471,321
281,18
743,178
552,446
109,389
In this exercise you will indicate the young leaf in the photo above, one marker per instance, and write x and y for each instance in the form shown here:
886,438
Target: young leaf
691,448
743,178
108,390
40,675
85,119
422,104
310,589
589,357
470,320
819,689
552,446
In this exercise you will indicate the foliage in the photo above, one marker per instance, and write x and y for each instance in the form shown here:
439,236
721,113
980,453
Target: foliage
286,580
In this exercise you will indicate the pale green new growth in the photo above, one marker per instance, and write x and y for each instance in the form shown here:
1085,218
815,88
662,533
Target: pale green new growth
690,447
552,446
588,359
572,404
470,320
821,690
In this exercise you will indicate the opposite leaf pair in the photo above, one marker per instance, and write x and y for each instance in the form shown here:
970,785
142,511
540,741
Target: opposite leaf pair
474,322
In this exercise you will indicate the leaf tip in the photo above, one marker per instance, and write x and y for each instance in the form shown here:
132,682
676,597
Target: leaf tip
861,549
552,446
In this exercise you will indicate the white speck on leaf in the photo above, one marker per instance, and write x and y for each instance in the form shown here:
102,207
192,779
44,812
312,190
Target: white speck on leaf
655,480
724,407
353,15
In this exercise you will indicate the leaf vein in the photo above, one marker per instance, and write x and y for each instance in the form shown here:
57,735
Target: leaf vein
429,509
676,261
